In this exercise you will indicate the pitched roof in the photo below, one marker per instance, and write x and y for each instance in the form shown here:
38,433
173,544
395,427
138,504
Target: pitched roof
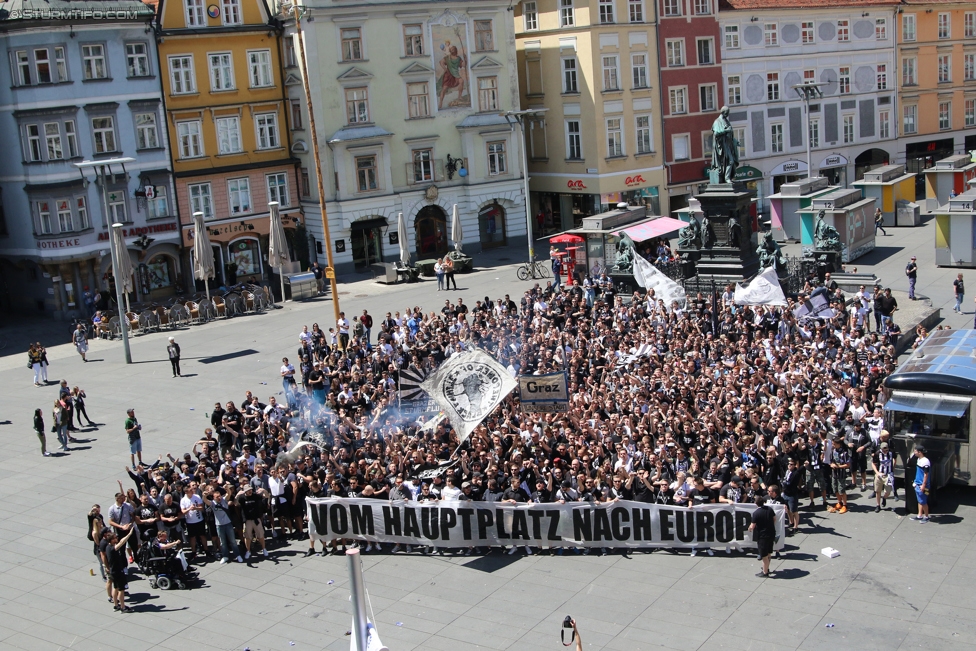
804,4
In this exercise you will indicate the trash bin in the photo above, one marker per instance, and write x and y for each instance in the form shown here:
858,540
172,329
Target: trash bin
385,272
907,214
300,286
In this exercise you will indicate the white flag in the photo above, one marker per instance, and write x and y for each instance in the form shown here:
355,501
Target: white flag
764,289
468,387
650,277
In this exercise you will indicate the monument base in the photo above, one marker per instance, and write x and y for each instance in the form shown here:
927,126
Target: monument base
727,253
826,261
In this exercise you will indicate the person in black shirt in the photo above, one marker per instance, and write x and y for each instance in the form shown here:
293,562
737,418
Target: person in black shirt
699,496
763,530
113,555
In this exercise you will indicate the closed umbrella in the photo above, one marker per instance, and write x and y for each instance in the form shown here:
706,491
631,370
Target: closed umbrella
402,236
203,261
277,245
123,274
456,233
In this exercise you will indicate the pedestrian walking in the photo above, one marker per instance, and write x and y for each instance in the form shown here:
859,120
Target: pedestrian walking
879,222
80,339
911,270
34,363
883,464
39,428
763,530
173,350
557,265
449,273
78,401
960,290
921,484
134,431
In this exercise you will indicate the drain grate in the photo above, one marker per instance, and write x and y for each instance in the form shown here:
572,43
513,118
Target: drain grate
362,295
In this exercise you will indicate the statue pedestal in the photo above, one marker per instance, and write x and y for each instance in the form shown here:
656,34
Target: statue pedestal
726,253
826,261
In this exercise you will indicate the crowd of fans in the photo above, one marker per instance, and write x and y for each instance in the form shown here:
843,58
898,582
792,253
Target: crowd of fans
709,402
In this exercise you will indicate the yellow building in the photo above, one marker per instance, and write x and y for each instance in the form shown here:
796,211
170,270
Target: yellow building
225,111
937,87
594,66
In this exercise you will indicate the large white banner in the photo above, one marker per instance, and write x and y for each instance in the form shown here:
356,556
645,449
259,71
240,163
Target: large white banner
468,386
576,524
764,289
650,277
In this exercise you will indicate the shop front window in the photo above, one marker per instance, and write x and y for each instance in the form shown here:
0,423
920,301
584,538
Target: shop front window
246,255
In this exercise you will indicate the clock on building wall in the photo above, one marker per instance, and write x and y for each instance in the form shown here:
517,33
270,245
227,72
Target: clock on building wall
213,11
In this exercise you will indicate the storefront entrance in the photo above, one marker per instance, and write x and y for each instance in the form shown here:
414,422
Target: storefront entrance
868,160
366,238
491,226
430,228
920,156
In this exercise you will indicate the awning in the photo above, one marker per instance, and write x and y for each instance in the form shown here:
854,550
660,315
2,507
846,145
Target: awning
566,238
651,229
369,224
928,404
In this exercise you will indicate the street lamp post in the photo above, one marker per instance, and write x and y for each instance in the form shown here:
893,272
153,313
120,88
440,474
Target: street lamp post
807,92
519,116
102,170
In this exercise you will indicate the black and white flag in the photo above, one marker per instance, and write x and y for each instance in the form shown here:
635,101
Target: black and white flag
815,307
764,289
468,387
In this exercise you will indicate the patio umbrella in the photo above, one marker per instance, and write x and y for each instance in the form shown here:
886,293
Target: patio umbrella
277,245
566,238
456,233
203,261
402,236
123,274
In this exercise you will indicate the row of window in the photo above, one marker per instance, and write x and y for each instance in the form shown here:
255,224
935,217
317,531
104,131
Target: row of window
189,135
58,139
238,195
909,26
611,73
910,116
182,73
418,101
774,91
616,140
771,35
352,44
421,168
195,13
909,69
635,12
48,64
674,51
71,215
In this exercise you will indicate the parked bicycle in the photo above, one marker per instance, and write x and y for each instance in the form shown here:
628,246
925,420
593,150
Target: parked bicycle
533,269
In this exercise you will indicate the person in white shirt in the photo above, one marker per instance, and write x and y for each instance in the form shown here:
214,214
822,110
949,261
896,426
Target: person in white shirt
305,335
450,492
342,325
192,506
287,376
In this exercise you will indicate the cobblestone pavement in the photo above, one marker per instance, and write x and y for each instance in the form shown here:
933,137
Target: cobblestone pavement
896,584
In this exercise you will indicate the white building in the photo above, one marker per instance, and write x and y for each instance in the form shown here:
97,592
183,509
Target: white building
851,50
408,99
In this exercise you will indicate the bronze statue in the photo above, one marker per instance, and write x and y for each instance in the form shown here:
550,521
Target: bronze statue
735,233
708,233
725,151
825,236
624,262
770,254
690,237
